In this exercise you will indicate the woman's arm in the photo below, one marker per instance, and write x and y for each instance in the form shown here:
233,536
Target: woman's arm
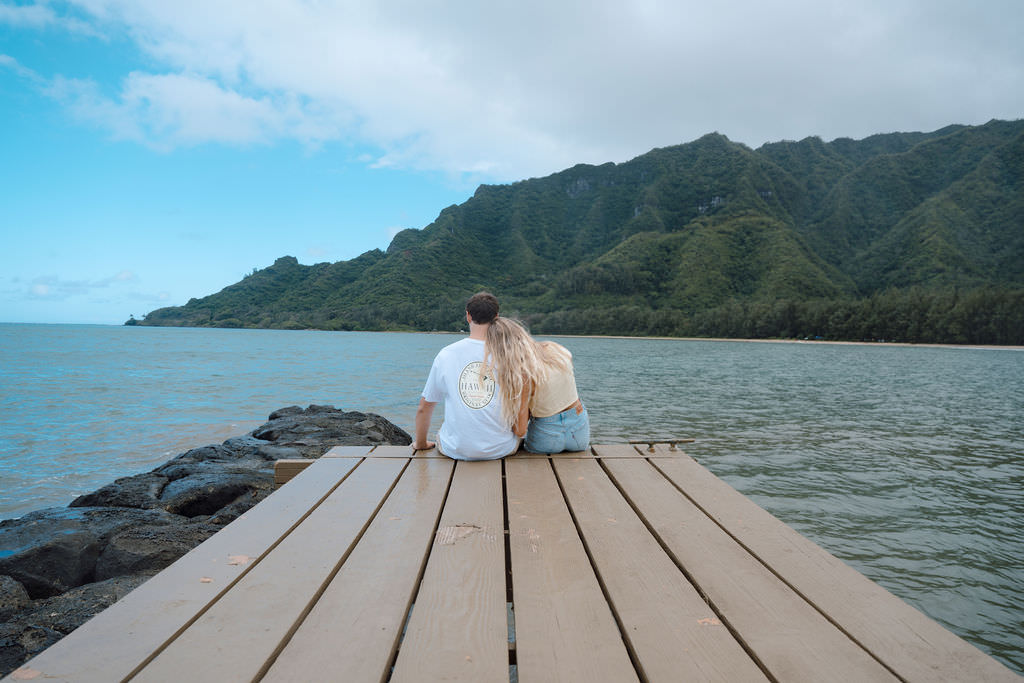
523,418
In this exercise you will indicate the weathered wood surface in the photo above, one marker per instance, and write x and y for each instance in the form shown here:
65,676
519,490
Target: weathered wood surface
910,643
615,564
458,629
286,470
673,633
554,586
791,638
273,597
356,624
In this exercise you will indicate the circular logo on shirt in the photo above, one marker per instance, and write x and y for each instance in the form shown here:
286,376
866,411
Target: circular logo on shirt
476,391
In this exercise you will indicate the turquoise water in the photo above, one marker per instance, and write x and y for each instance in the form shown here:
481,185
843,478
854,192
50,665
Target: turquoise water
908,463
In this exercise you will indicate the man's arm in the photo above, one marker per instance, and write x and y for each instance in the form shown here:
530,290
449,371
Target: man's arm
424,413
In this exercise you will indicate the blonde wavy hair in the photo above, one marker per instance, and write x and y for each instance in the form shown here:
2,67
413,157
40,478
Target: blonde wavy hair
515,360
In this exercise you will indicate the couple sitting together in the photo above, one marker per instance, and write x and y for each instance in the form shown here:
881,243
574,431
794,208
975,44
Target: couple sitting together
498,385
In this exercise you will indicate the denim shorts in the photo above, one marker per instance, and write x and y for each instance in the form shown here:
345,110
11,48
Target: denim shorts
566,431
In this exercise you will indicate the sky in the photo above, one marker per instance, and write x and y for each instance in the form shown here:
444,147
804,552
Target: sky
155,151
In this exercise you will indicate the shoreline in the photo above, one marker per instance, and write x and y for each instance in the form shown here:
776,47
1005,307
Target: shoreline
767,340
979,347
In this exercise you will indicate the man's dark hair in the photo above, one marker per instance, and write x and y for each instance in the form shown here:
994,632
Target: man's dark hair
482,308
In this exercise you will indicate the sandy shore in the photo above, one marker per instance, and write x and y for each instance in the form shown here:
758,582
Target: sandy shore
988,347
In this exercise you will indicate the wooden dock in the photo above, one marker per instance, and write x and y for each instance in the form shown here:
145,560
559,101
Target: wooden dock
621,564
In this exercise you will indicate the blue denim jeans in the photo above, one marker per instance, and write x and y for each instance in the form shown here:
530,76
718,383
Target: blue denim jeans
566,431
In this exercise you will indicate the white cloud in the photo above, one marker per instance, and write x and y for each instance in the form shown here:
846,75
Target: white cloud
86,102
317,251
12,64
52,287
171,109
506,90
123,276
35,16
41,15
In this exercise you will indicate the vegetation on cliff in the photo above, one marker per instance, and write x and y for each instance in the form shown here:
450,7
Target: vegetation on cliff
906,236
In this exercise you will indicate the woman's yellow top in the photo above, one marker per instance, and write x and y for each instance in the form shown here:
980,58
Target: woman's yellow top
556,393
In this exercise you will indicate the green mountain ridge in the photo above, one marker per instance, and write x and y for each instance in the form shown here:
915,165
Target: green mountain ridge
902,236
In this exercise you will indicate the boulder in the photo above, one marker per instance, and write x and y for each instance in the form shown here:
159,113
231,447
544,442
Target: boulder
220,481
47,621
141,491
316,429
53,550
203,494
13,597
19,641
145,549
64,613
233,511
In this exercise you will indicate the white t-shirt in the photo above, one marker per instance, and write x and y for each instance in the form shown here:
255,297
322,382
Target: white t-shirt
473,428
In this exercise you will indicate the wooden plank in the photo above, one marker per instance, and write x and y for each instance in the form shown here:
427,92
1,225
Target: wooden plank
384,451
910,643
354,628
647,445
429,453
564,454
238,635
286,470
458,629
625,450
154,612
791,639
297,464
617,450
565,629
403,452
673,634
348,452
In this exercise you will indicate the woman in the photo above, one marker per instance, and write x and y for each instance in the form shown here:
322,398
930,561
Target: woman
538,389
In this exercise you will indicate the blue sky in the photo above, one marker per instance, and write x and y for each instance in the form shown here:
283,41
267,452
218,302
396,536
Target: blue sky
155,151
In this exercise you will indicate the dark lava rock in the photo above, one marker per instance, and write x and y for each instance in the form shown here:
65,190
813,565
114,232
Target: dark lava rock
203,481
230,513
64,613
47,621
142,549
203,494
60,566
20,641
317,428
141,491
53,550
13,597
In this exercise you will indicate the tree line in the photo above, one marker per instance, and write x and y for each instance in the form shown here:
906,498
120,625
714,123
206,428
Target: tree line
987,315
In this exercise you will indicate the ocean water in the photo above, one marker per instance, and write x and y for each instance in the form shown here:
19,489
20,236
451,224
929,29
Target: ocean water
906,462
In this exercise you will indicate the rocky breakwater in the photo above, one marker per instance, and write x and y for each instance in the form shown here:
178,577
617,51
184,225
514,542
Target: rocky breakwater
61,566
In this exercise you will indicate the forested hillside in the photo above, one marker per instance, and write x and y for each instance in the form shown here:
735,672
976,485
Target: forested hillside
906,236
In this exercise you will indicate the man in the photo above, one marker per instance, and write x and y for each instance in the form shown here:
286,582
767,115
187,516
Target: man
473,428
